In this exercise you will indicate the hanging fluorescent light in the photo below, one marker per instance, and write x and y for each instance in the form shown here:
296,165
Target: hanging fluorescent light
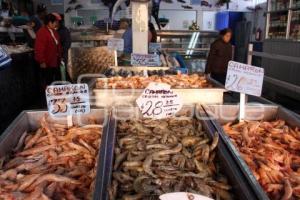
191,43
194,42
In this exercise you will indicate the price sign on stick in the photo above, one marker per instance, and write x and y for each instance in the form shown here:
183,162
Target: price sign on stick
246,79
115,44
159,101
183,196
151,60
64,100
154,47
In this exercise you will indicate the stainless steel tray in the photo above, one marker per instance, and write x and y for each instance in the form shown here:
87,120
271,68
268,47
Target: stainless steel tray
241,188
222,114
30,120
109,97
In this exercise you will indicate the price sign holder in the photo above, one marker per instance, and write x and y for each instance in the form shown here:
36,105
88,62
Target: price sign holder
116,44
245,79
154,47
158,101
151,60
68,100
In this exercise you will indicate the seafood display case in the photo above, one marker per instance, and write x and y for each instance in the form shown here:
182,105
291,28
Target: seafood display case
16,139
193,46
260,115
130,119
190,95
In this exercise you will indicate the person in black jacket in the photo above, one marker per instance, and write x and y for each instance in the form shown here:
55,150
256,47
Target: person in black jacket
65,39
219,56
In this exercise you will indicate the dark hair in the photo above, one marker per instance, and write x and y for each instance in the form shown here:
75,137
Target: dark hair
153,32
49,18
225,31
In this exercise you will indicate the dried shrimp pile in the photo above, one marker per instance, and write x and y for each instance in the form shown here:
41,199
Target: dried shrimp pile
138,82
153,157
272,151
55,162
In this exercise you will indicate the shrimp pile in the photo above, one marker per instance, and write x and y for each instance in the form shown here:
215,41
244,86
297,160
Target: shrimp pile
153,157
56,162
272,151
138,82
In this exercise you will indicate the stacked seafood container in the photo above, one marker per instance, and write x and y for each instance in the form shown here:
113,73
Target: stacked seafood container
125,90
146,158
47,158
266,146
114,153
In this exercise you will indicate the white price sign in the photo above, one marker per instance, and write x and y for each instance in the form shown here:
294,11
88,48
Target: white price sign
151,60
115,44
159,101
183,196
244,78
72,99
154,47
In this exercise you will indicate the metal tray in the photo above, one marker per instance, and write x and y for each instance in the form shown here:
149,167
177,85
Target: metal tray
128,97
222,114
30,120
241,188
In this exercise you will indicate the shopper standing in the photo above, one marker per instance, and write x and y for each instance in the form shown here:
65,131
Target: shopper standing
219,56
65,39
48,50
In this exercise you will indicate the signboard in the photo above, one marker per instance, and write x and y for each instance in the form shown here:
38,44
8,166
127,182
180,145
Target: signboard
72,99
244,78
183,196
151,60
115,44
159,101
154,47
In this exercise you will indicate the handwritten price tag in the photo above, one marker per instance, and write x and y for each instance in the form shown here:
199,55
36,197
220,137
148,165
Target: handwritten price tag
151,60
183,196
154,47
63,100
159,101
115,44
244,78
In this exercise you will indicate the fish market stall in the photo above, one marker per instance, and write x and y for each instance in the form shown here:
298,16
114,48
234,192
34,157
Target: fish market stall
266,146
43,157
124,91
146,158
